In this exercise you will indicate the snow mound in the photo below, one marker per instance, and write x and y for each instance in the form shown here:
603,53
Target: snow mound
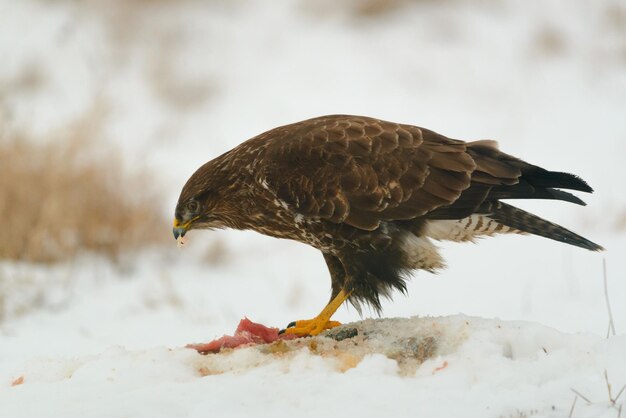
409,343
450,366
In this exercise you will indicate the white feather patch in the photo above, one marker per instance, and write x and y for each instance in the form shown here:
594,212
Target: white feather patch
466,229
421,253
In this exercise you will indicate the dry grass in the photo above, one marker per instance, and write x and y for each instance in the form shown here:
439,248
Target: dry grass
612,402
67,194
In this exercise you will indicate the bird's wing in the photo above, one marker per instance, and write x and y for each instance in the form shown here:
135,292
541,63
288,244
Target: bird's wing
361,171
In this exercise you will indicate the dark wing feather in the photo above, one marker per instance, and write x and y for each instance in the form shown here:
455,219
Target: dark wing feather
502,176
360,170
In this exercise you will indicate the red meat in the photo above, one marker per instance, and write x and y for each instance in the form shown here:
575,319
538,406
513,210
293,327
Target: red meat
247,333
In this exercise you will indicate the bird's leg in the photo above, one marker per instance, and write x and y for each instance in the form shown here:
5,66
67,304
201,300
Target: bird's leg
321,322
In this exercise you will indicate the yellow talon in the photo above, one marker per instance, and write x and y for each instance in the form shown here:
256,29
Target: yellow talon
310,326
321,322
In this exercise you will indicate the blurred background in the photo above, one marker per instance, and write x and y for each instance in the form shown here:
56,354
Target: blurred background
107,107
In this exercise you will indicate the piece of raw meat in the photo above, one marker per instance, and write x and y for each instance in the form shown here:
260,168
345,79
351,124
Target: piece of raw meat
247,333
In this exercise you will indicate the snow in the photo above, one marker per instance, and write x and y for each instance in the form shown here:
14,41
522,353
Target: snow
452,365
514,322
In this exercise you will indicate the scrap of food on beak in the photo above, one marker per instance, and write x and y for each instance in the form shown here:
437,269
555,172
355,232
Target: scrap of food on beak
179,231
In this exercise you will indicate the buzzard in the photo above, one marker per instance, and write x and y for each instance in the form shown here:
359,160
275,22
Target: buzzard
372,196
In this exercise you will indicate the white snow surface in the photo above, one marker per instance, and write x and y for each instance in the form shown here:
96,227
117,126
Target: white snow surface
518,321
478,368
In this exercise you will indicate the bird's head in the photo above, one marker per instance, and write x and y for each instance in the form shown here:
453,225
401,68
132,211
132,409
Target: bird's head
187,215
199,204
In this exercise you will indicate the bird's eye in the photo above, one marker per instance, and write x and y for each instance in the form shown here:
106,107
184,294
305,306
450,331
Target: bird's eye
193,206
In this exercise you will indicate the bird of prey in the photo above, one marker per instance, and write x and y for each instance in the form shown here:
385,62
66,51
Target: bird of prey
372,196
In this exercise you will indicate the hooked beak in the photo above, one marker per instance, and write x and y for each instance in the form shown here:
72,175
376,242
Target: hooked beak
180,229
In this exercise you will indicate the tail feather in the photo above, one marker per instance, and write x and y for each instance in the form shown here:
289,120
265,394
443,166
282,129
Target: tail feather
523,190
492,161
527,222
539,177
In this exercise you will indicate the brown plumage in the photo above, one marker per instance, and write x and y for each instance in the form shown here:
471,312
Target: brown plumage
371,195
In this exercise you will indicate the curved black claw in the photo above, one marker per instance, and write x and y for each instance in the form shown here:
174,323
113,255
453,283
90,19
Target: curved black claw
289,325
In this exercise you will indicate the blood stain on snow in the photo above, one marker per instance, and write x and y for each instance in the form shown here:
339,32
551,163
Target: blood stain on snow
440,368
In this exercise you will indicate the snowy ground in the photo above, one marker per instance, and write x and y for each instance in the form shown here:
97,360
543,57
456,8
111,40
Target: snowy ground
184,83
453,366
